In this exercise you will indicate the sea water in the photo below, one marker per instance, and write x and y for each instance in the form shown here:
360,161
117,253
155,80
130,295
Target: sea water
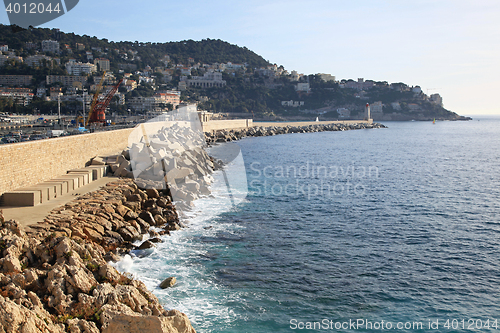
396,226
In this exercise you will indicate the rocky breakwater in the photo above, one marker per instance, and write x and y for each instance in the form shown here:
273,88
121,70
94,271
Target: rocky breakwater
55,276
232,135
169,158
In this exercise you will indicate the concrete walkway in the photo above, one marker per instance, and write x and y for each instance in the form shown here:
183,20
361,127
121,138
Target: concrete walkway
31,215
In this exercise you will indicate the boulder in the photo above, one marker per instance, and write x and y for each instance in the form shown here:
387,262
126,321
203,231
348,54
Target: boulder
146,245
168,282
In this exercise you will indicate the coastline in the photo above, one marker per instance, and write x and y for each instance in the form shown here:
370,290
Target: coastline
56,274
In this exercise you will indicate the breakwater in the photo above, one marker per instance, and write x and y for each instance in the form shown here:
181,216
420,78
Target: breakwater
236,134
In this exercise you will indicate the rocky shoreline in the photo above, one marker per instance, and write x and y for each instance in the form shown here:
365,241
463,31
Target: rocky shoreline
233,135
56,275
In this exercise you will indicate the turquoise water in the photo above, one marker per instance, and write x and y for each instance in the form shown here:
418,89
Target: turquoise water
398,225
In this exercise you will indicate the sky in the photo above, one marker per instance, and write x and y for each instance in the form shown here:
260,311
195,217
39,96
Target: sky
450,47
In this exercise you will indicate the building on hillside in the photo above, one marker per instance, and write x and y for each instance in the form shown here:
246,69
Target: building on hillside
292,103
16,80
80,46
21,96
344,113
376,108
102,63
50,46
66,80
39,60
417,90
130,84
80,68
4,48
169,97
327,77
41,92
294,76
303,87
145,104
182,86
55,93
30,46
396,106
6,58
436,99
208,80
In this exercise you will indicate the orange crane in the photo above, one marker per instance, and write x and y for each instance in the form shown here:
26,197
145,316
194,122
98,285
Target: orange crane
97,113
96,97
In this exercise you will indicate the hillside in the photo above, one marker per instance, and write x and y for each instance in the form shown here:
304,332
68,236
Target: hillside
248,84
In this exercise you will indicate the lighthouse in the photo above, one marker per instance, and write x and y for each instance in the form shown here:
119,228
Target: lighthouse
367,116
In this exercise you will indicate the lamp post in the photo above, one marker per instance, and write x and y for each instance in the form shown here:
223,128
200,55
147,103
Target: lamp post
83,104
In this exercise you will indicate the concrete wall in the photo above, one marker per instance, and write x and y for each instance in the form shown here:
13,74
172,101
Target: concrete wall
28,163
215,125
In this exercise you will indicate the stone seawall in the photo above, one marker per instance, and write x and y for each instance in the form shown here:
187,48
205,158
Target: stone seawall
27,163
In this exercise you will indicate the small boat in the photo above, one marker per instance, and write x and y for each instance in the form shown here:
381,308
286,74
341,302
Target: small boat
434,121
317,118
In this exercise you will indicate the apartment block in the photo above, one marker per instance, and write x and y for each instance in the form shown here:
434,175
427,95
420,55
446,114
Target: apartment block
50,46
15,80
65,80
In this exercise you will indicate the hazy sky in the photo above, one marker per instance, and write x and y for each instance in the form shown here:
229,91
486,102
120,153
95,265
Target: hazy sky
451,47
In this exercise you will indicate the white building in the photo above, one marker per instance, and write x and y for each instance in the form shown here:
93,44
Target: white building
79,68
50,46
38,60
376,108
102,63
208,80
292,103
4,48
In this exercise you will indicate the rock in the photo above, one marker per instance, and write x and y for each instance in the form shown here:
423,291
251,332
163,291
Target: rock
168,282
155,240
174,322
109,273
130,215
148,217
143,225
82,326
146,245
17,318
152,193
92,234
160,220
121,210
80,279
134,198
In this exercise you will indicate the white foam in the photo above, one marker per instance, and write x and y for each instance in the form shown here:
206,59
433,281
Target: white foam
179,255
